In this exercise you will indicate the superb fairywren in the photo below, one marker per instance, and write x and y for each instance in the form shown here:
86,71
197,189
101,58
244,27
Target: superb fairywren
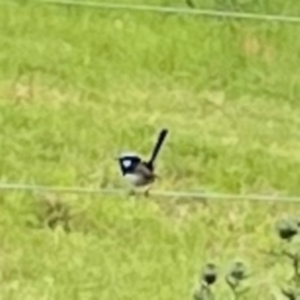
140,173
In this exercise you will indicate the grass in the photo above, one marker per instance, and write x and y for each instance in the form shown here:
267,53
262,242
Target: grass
78,85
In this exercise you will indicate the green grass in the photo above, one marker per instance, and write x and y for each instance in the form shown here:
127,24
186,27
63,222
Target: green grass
77,86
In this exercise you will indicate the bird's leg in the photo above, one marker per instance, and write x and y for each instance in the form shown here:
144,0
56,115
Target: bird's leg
147,192
131,193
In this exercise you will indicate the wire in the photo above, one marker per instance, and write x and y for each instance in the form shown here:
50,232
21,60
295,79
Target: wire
68,190
190,11
166,194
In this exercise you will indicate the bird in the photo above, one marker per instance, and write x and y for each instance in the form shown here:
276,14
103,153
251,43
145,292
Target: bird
140,173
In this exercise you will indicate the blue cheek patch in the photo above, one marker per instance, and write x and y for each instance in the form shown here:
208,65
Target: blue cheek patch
126,163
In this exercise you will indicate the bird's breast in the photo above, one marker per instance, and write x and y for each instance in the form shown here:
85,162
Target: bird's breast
137,179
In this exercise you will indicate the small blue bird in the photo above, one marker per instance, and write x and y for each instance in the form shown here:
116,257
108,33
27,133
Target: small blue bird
137,172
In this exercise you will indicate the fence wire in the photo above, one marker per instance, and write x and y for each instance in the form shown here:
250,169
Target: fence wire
178,10
201,196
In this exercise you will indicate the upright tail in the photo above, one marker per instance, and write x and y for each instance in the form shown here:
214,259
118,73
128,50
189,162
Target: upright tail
160,140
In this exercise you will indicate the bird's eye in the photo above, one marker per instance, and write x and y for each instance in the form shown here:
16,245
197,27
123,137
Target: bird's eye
126,163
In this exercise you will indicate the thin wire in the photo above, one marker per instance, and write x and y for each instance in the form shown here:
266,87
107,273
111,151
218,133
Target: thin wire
190,11
166,194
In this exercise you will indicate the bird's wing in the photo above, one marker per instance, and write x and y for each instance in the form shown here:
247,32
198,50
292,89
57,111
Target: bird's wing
143,170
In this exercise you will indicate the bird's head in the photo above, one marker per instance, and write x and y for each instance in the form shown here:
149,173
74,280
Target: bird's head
128,162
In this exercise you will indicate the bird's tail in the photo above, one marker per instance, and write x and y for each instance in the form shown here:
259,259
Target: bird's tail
157,147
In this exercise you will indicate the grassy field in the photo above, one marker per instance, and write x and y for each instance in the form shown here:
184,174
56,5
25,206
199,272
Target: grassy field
77,86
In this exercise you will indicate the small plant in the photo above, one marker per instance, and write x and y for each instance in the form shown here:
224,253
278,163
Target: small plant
207,278
53,212
236,277
291,293
287,229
